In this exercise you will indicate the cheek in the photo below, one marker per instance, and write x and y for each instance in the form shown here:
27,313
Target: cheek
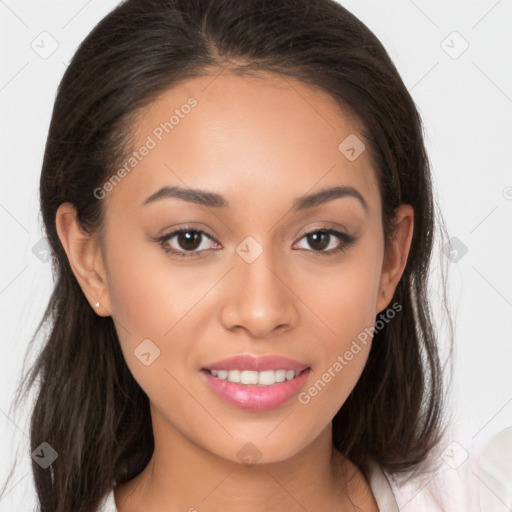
343,355
148,293
346,304
345,297
156,300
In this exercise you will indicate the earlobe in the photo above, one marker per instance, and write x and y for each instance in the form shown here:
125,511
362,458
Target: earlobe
85,258
396,255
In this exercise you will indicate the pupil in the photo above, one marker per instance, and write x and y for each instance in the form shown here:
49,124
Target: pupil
314,237
189,240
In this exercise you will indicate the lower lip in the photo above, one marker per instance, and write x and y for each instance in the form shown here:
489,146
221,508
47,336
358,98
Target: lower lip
252,397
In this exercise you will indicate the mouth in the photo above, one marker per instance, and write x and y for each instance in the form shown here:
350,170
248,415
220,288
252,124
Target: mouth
256,391
256,383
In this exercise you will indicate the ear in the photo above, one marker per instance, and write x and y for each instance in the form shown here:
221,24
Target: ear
85,258
396,255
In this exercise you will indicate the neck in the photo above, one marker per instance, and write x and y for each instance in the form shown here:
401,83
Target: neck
184,476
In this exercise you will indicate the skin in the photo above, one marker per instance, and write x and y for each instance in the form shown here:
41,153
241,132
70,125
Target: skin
259,142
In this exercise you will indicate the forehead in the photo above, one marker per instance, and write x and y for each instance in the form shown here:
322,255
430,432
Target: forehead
257,134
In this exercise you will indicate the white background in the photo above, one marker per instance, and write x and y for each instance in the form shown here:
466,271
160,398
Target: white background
466,106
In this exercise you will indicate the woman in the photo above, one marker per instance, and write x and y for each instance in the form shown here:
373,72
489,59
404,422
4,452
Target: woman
239,204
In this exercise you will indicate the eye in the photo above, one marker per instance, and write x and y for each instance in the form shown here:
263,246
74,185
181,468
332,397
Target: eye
186,240
190,242
321,239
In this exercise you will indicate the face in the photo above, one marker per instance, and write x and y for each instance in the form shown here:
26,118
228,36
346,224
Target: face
257,270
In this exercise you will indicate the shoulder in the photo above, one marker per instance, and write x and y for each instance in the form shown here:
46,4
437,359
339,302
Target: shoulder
108,504
495,464
448,480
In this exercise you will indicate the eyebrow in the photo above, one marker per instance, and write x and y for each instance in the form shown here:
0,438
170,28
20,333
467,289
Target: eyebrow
214,200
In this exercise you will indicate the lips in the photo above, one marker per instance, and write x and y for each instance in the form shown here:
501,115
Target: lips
241,391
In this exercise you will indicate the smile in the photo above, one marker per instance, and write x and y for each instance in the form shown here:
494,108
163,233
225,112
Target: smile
255,391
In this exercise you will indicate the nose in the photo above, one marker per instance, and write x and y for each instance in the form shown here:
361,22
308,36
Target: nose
258,297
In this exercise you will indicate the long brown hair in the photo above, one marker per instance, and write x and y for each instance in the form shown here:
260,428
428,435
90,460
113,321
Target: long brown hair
89,408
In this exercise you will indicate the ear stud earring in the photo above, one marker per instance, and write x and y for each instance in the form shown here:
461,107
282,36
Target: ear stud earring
97,304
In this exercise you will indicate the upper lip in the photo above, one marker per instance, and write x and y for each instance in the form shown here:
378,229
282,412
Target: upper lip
259,364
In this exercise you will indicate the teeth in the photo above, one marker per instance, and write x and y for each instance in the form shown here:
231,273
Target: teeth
248,377
264,378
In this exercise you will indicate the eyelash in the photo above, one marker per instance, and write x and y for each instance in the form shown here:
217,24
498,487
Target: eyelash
346,241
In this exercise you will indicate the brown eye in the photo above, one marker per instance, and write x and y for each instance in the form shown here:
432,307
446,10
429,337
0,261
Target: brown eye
328,241
319,240
186,242
189,240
